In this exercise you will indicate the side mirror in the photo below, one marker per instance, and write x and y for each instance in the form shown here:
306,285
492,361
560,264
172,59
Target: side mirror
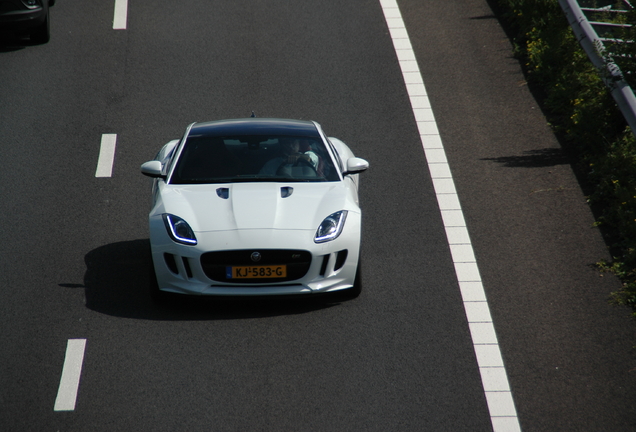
152,169
356,165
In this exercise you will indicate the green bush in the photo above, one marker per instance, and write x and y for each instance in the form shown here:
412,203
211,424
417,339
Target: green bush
586,119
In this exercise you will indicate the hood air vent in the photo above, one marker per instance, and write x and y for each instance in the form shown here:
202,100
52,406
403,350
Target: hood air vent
286,191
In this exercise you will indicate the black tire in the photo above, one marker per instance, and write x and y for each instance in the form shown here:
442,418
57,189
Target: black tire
42,33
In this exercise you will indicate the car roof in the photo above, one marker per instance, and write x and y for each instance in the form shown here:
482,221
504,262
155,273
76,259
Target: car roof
255,126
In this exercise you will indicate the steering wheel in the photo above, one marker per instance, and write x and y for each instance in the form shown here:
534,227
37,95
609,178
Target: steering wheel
300,162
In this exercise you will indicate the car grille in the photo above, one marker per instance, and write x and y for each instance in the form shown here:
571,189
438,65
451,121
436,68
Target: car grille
215,264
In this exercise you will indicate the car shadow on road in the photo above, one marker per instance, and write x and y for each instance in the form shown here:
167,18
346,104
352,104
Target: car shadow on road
10,42
117,282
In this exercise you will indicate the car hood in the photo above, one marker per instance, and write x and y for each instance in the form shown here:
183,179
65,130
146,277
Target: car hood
256,205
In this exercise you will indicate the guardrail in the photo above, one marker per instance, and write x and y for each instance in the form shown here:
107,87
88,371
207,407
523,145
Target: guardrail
597,53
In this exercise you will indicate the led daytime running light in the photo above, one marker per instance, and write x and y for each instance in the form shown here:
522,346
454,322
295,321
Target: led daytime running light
175,226
331,227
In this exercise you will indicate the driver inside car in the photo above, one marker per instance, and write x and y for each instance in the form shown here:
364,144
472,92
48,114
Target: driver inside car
289,158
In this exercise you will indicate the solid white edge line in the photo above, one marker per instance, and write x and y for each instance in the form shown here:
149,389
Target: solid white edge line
121,15
503,414
106,156
69,382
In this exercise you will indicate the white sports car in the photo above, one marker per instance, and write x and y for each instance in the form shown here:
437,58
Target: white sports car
251,207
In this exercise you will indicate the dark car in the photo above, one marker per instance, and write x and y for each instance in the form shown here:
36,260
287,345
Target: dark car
26,16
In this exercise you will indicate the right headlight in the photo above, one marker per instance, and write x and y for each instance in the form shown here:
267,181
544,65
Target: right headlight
331,227
179,230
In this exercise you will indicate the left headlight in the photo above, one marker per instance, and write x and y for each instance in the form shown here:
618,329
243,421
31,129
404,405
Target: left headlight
331,227
179,230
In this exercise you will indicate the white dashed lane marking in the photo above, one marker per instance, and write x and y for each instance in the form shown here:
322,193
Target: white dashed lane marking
106,156
494,378
71,372
121,15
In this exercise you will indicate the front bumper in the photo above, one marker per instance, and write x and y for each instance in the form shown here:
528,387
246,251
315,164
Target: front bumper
14,15
332,266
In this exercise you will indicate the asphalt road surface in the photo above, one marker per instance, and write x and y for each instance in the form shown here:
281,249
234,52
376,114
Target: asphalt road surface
74,254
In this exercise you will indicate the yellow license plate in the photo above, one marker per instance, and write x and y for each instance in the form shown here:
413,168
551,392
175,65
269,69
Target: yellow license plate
256,272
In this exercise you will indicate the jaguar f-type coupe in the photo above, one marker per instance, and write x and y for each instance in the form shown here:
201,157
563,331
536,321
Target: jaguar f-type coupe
255,207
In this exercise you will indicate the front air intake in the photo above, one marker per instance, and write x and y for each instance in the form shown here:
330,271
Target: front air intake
341,257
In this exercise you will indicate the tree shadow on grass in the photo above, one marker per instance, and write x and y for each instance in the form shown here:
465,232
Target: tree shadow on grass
117,283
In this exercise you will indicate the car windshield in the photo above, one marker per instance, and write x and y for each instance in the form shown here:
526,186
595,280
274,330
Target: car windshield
207,159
